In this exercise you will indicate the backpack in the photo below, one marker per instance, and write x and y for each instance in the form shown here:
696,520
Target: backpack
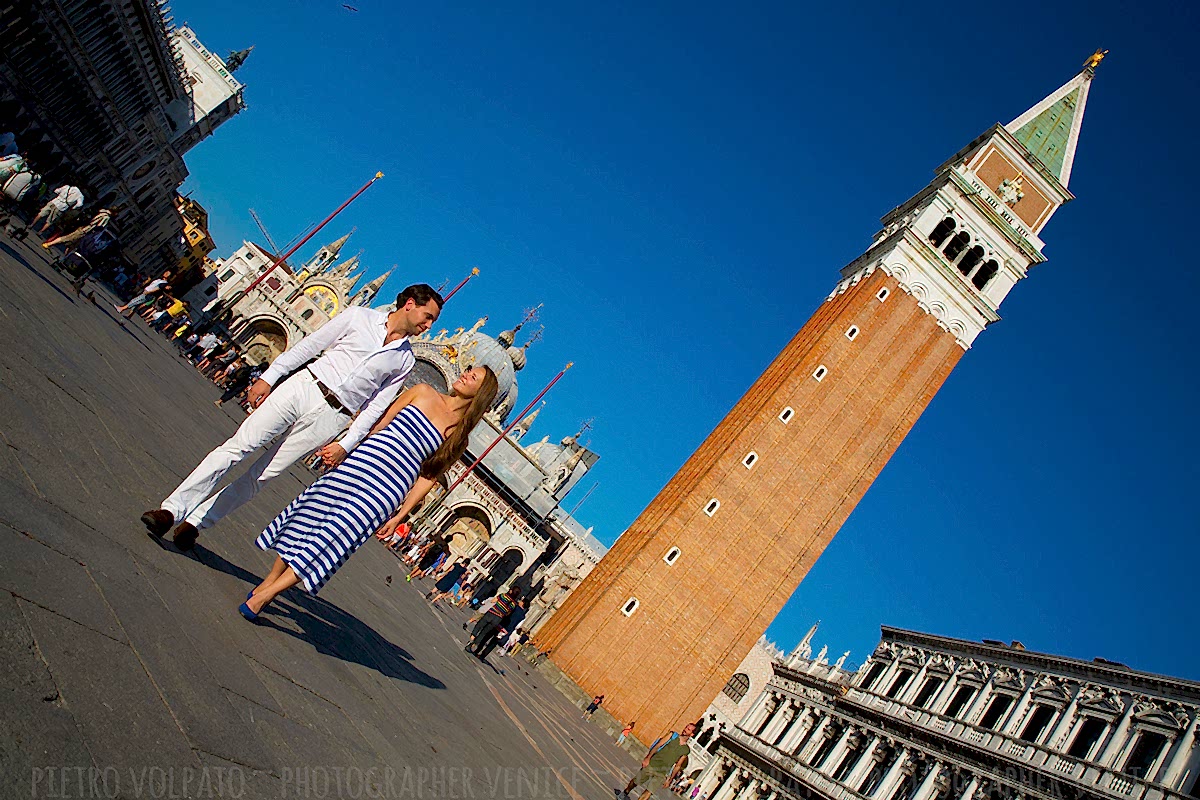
22,185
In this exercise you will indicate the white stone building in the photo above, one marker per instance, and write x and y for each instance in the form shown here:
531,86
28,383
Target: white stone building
214,95
933,718
288,305
507,517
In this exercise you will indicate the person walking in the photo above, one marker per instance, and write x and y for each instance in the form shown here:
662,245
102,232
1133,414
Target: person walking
491,621
150,292
446,583
362,356
515,617
64,199
597,701
100,220
236,383
628,729
666,759
422,434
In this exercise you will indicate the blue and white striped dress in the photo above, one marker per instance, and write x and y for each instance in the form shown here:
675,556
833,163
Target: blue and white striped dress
323,527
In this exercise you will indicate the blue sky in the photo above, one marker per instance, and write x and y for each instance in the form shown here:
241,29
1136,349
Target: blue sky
680,184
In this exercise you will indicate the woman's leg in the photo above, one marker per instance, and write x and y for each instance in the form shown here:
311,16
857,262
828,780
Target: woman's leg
281,584
277,569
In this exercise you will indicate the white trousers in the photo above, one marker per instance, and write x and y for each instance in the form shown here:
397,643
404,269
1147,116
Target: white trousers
294,420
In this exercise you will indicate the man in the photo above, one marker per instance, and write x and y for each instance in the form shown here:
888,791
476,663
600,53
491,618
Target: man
64,199
667,758
483,636
362,356
515,618
150,293
101,220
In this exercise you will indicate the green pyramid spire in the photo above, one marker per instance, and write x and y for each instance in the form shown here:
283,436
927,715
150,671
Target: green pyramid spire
1050,130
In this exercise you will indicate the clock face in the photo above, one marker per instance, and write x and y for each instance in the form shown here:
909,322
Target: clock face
324,298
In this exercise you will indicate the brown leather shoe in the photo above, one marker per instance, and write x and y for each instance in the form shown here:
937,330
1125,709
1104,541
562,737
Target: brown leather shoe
185,536
158,521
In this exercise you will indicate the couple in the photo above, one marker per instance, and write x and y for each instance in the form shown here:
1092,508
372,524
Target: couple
354,364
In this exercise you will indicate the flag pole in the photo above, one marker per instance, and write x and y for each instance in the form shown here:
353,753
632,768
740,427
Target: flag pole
242,294
474,271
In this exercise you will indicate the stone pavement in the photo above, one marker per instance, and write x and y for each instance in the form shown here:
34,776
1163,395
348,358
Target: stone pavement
125,670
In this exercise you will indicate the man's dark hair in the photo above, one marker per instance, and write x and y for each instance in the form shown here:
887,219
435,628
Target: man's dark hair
420,293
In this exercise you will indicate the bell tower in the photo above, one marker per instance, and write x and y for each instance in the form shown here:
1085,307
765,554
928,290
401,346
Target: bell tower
664,619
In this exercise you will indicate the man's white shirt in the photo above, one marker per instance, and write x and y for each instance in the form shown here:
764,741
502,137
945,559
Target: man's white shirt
355,365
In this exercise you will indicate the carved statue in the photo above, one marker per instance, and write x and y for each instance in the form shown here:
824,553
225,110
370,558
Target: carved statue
842,661
478,324
821,656
1011,191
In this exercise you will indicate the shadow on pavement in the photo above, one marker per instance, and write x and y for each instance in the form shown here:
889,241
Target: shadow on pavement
23,262
326,627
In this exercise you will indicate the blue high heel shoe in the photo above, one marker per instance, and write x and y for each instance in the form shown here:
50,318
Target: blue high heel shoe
246,613
250,594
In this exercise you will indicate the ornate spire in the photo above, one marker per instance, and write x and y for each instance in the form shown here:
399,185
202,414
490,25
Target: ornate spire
507,338
336,247
527,422
236,58
367,293
804,649
1050,130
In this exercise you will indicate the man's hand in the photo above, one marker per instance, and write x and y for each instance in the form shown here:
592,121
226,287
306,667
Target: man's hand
332,454
258,392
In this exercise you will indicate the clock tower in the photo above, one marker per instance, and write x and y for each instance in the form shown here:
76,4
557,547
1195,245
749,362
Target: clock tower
665,618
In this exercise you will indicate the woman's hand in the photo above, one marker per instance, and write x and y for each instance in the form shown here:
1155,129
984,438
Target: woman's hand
388,528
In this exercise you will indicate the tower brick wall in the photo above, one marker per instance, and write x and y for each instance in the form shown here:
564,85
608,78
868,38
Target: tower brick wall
697,618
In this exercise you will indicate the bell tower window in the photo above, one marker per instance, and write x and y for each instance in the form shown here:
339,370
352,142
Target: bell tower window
985,274
955,246
942,232
970,260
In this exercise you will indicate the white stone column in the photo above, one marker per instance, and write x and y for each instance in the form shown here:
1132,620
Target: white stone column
866,762
748,792
781,717
815,740
1118,738
1180,755
835,755
1017,714
972,787
757,713
1062,728
804,721
729,786
982,696
892,776
928,786
914,684
941,698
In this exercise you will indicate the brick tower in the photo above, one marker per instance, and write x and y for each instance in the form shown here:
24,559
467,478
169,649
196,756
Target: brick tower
668,614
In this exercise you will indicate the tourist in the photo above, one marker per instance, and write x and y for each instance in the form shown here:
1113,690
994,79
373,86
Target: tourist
515,617
100,220
64,199
628,729
422,434
597,701
666,759
491,621
362,356
237,382
429,557
150,292
447,582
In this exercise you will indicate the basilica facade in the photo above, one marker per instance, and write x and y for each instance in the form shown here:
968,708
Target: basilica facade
507,516
934,718
287,306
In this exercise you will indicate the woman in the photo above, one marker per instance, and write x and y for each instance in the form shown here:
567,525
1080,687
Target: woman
446,584
628,729
416,440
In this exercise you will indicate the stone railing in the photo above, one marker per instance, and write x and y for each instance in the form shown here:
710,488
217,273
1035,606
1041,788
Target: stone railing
806,774
1088,774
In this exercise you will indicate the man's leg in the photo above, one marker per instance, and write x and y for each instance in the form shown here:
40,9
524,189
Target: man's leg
275,416
315,427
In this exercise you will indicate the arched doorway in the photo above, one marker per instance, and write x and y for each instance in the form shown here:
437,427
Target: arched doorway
501,571
466,530
264,340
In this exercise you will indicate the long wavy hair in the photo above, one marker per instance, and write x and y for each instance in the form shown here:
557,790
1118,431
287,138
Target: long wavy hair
455,443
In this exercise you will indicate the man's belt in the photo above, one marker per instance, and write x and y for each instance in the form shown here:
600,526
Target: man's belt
329,396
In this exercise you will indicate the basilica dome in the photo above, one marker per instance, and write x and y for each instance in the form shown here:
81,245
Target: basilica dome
441,359
480,349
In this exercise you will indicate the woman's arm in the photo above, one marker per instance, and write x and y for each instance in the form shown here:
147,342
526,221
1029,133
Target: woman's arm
411,500
403,399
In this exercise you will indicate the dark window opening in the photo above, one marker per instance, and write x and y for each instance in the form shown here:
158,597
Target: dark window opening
899,683
942,232
985,274
904,789
848,763
873,675
959,701
875,775
826,747
995,711
927,692
957,245
1086,738
307,314
1036,725
737,687
1146,750
705,737
972,258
